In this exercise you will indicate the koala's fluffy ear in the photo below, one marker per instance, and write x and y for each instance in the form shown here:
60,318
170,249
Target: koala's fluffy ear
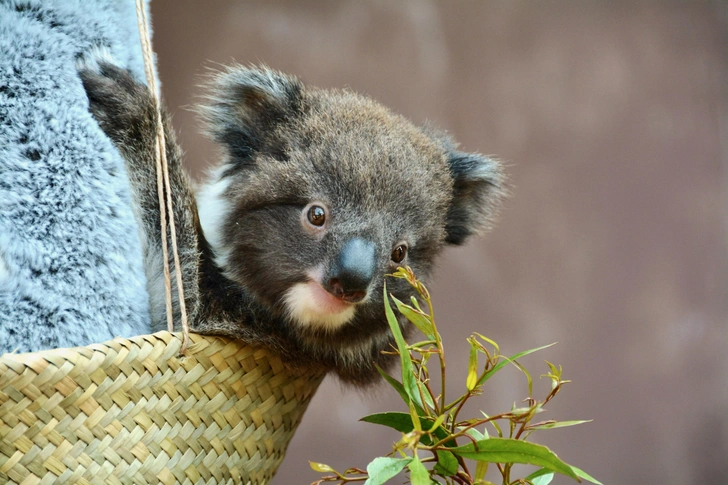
245,104
477,191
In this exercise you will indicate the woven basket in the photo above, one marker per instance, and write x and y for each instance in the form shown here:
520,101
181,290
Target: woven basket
132,411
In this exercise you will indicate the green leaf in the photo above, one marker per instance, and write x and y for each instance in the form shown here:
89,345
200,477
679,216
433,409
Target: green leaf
418,473
476,435
396,420
524,412
415,417
383,468
321,467
426,394
544,479
402,422
585,476
438,422
409,382
538,473
419,319
481,468
505,362
556,372
447,465
506,450
555,375
394,383
559,424
491,342
472,379
528,377
493,423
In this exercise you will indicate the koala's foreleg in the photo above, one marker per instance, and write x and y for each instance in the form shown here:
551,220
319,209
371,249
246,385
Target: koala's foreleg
126,112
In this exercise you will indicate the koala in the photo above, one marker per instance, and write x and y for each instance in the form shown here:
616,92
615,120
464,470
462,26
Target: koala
317,196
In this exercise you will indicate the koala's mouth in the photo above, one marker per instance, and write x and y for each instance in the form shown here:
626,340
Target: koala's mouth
310,305
327,302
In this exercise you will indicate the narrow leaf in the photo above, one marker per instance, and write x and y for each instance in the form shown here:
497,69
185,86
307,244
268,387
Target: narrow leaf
383,468
506,450
426,394
402,422
394,383
409,382
321,467
538,473
554,370
505,362
476,435
559,424
481,468
415,417
419,319
416,304
438,422
528,377
544,479
585,476
491,342
418,473
472,379
493,423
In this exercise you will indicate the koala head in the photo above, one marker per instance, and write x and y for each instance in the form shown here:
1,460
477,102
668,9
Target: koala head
321,193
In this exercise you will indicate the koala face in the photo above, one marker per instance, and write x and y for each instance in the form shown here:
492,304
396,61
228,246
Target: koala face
324,192
319,195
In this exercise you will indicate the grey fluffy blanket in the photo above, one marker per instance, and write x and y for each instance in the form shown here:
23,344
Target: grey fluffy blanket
70,253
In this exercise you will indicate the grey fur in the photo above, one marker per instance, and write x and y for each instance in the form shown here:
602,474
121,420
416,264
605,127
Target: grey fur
383,180
71,270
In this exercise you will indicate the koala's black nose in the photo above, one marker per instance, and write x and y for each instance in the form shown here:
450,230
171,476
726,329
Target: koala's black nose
353,270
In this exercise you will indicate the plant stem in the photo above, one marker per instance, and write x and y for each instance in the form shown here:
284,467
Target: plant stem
438,342
434,397
502,472
458,409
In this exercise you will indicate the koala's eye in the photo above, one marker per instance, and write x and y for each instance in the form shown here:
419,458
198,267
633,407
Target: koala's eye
316,215
399,253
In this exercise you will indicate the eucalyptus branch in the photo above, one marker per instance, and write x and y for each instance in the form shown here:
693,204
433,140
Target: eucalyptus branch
429,424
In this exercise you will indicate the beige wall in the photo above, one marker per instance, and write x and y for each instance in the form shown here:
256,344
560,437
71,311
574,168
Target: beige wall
612,118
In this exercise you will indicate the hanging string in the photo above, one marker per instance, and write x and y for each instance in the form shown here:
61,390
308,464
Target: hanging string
163,185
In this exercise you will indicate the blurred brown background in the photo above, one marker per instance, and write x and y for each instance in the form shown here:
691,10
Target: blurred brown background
612,117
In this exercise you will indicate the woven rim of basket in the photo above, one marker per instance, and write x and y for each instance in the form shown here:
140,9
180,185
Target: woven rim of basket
134,410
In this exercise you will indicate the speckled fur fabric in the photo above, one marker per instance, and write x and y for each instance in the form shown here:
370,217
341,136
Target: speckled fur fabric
71,270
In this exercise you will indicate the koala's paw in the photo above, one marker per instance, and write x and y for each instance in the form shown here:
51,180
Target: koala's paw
123,107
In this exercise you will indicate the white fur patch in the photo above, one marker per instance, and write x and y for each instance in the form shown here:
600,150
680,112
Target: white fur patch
304,309
94,56
213,207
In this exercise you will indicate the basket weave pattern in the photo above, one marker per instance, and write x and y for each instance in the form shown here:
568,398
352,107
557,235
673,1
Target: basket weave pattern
132,411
